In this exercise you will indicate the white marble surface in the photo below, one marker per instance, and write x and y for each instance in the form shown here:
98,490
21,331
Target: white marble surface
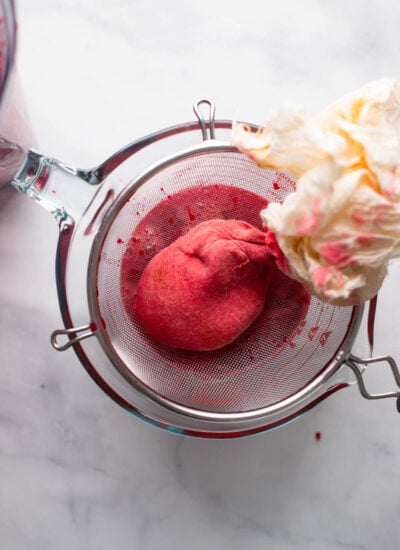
76,471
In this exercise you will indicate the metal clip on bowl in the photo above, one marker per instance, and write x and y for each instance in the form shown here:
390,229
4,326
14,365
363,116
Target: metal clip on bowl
356,364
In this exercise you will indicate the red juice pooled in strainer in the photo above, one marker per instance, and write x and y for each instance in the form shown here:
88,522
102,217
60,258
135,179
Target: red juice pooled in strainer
286,301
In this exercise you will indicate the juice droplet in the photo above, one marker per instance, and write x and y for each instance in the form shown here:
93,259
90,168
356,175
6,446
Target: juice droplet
324,337
120,241
192,217
289,342
312,332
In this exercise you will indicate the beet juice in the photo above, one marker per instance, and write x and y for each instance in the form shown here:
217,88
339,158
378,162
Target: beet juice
15,131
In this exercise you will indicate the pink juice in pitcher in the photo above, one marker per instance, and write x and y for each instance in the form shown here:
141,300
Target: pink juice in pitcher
15,131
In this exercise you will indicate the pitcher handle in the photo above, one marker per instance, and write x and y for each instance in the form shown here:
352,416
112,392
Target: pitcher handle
52,184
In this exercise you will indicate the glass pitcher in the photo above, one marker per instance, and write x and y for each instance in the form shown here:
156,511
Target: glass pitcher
15,131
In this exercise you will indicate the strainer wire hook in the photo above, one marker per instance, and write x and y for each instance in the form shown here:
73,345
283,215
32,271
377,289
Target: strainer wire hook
201,119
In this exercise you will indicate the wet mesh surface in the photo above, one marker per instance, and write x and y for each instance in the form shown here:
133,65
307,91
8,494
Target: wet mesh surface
286,347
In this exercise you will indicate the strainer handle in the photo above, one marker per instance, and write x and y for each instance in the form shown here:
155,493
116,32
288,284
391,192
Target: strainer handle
202,121
358,365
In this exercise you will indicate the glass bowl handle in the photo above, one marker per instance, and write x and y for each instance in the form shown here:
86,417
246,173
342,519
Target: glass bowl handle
358,365
53,185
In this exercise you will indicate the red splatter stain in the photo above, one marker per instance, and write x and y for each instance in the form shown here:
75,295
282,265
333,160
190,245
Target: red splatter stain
120,241
300,326
137,214
324,337
93,326
53,191
358,217
289,342
103,323
312,332
235,200
317,435
192,217
365,240
276,185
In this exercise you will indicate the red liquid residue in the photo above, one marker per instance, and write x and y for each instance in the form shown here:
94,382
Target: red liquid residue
287,301
192,217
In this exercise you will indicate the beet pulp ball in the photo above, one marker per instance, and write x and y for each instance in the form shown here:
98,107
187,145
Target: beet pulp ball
203,290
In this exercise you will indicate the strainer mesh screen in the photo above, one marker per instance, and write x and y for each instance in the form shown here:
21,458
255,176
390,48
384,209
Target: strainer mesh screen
285,348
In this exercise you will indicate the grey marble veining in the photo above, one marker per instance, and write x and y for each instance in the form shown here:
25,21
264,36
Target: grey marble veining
77,472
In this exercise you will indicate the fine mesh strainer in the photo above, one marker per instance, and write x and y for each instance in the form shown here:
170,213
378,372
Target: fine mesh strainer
291,357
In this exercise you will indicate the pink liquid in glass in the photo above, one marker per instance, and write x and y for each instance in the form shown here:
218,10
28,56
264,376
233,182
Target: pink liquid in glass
15,130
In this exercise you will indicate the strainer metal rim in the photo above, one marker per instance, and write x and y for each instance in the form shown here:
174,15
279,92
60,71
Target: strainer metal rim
340,356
